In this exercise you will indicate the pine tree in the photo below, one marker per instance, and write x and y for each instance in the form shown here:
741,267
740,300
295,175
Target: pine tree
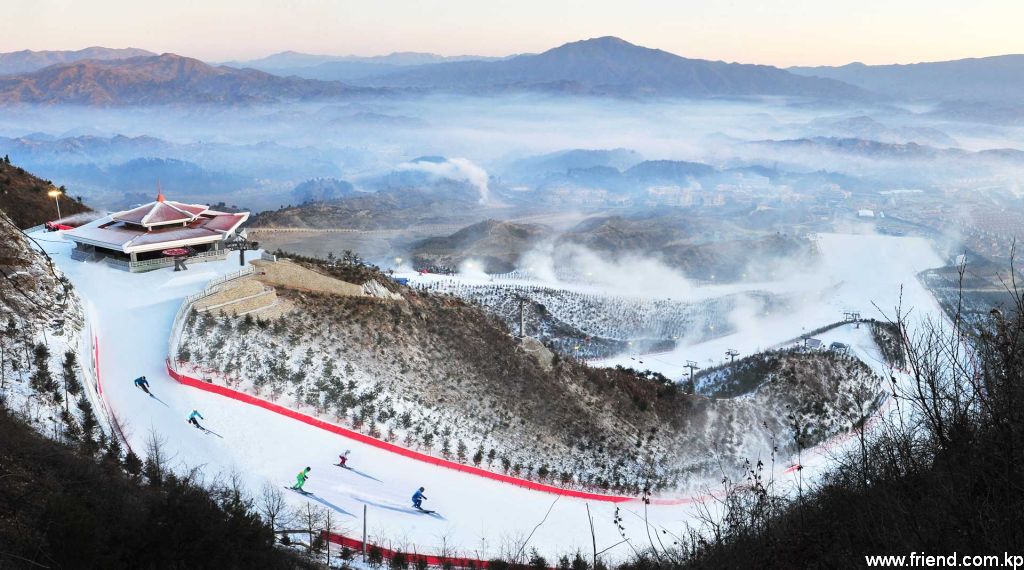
132,464
71,429
90,425
41,380
69,373
113,452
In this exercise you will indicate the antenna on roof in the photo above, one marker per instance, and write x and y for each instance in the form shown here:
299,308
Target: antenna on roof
159,192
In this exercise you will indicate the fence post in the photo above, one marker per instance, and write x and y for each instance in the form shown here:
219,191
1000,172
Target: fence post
364,534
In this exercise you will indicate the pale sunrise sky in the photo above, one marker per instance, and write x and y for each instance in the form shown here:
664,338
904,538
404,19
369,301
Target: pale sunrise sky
776,32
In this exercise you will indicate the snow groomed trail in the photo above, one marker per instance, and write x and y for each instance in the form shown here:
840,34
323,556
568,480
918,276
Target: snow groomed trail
132,316
478,517
387,446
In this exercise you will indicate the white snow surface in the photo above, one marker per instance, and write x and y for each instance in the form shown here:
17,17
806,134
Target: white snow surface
133,315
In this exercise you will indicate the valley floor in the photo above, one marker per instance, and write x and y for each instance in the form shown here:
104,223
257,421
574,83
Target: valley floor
132,315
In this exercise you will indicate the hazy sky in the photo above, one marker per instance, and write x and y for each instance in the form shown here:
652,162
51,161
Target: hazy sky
779,32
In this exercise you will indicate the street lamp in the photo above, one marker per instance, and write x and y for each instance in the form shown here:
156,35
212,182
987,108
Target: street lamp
55,194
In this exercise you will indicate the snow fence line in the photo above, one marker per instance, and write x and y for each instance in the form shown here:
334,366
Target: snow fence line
105,409
388,446
387,553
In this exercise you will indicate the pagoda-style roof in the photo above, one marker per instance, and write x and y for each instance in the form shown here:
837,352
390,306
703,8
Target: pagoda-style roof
161,212
159,225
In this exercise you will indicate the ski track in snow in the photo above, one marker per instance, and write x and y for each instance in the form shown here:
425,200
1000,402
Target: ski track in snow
133,314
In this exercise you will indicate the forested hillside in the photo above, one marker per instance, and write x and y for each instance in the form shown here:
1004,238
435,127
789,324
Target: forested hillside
25,199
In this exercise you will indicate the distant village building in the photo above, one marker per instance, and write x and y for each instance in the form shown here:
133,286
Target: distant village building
134,240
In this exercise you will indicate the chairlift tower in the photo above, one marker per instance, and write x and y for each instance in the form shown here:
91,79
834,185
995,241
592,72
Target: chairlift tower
522,316
852,316
692,365
732,353
240,244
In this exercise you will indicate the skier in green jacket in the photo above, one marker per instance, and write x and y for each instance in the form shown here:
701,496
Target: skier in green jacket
300,479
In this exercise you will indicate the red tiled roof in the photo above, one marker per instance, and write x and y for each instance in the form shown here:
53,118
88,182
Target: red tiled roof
161,212
135,215
165,224
225,222
166,236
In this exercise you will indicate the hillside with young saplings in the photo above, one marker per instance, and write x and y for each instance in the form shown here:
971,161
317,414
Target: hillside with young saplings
435,373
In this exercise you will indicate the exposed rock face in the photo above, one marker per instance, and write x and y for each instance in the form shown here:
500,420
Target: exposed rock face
373,288
533,347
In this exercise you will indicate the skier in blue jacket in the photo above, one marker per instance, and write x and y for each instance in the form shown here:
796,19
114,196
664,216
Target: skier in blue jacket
192,419
141,382
418,497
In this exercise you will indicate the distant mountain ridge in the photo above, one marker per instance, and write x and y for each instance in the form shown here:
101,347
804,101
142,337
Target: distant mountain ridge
597,66
996,78
612,66
163,79
25,61
346,67
293,59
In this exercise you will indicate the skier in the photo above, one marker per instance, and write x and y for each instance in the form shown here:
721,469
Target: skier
192,419
141,382
343,458
418,497
300,480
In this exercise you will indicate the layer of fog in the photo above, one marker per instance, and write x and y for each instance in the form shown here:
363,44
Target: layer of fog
857,270
263,152
575,268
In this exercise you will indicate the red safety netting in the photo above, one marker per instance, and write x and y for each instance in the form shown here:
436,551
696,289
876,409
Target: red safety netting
388,554
388,446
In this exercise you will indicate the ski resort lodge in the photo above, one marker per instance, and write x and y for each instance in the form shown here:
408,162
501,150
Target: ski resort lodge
147,237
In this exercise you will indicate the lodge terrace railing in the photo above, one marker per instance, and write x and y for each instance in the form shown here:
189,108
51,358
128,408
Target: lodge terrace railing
151,264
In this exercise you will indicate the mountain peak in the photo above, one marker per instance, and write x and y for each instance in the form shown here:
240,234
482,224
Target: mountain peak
606,40
157,79
603,43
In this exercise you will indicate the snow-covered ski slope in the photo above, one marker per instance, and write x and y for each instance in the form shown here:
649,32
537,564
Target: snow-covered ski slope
132,317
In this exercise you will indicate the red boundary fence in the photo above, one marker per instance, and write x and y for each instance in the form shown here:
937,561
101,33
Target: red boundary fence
387,446
103,398
388,554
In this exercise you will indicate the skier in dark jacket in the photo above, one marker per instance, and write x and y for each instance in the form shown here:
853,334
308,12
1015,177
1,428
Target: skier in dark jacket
418,497
141,382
